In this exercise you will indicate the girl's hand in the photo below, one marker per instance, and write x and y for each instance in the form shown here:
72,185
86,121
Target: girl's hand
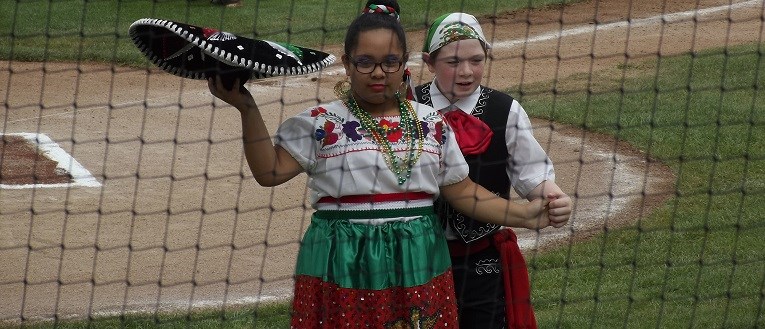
538,215
239,98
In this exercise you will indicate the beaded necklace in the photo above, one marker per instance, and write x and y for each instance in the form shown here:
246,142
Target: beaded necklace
412,134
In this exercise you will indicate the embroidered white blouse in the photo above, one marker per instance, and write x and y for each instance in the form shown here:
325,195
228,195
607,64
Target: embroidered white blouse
341,158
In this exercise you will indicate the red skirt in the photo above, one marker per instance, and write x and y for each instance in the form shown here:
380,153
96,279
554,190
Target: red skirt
324,305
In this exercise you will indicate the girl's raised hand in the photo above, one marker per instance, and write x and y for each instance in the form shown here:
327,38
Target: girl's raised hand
236,97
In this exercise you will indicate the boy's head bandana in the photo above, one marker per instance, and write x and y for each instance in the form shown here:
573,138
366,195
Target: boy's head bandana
453,27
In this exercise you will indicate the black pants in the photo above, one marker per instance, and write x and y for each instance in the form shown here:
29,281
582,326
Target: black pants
480,290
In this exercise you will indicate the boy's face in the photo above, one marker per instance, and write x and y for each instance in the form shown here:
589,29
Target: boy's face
458,68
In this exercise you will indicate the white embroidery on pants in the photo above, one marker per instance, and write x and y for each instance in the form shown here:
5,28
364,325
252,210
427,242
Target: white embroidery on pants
487,266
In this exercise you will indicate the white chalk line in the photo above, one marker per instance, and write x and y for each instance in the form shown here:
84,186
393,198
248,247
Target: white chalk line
658,19
64,162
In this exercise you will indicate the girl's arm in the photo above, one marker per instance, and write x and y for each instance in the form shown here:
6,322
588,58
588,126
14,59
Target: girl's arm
479,203
270,165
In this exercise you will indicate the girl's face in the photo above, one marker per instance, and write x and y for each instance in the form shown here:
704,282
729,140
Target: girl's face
375,68
458,68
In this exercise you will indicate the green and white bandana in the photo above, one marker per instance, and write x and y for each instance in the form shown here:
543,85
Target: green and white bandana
453,27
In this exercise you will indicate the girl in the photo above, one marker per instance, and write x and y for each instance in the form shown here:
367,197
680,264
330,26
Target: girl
374,254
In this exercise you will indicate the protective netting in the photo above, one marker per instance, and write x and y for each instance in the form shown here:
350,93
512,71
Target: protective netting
125,198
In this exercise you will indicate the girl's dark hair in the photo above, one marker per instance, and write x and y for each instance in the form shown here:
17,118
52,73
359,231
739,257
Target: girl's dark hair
372,21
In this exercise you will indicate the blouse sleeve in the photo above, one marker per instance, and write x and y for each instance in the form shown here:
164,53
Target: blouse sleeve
296,135
454,169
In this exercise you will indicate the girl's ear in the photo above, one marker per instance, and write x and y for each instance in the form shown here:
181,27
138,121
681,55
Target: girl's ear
346,64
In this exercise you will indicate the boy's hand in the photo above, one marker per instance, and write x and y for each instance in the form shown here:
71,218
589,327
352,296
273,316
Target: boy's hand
559,209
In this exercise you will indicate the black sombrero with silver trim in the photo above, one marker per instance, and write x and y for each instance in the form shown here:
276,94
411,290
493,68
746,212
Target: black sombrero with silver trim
197,53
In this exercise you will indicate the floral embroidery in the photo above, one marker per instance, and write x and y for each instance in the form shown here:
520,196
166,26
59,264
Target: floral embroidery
318,111
427,120
392,130
350,129
334,128
439,132
319,134
326,134
425,129
457,31
331,137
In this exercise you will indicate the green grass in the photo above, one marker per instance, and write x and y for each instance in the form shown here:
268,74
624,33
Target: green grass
97,30
265,316
698,261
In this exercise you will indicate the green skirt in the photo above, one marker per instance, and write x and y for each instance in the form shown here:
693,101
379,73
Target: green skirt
364,256
391,275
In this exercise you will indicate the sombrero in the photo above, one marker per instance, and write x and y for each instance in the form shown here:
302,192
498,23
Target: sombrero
198,53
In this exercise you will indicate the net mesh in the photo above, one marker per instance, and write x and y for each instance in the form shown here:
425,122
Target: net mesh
125,196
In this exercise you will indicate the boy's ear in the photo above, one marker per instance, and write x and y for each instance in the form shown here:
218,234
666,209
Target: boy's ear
429,62
426,57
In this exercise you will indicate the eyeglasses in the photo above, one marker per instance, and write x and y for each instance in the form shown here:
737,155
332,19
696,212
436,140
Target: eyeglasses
366,66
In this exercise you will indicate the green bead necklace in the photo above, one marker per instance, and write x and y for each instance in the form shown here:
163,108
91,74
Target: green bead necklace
410,126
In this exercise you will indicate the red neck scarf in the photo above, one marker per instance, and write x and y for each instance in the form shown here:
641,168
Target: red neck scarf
473,135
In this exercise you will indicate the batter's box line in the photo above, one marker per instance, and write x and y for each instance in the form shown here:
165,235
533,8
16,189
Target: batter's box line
65,162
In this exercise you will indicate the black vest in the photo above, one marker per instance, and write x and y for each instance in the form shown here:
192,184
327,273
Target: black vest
487,169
